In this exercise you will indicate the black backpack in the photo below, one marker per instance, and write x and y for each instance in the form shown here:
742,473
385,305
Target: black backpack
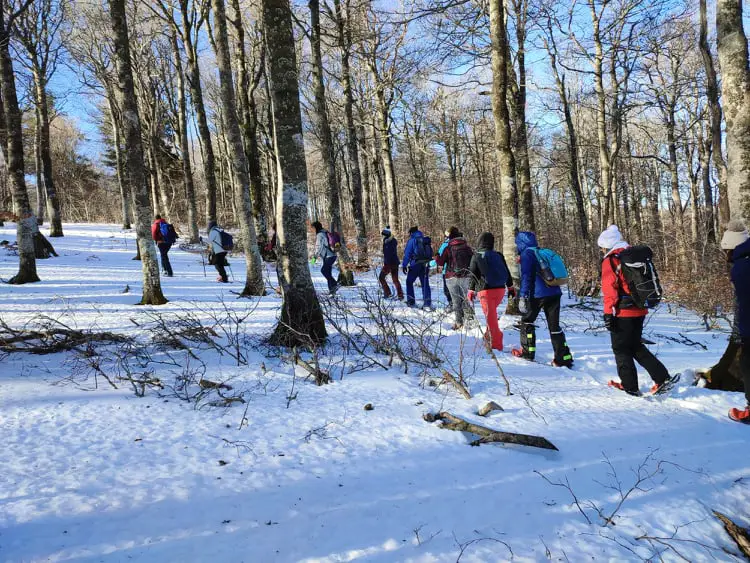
637,267
227,240
460,258
423,250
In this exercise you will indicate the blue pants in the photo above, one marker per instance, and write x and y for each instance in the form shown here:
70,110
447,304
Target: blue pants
326,270
418,271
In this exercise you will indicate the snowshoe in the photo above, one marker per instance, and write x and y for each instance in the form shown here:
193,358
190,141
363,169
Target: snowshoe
568,364
742,416
670,382
617,385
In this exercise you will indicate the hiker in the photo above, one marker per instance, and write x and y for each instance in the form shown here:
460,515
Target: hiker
324,251
535,295
624,320
455,260
390,265
736,245
433,264
164,235
417,257
217,253
489,279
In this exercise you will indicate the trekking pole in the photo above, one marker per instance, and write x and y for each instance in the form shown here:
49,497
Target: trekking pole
230,270
203,263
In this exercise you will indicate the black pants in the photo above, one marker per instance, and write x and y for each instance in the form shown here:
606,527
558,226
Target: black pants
745,367
628,349
163,251
220,262
551,306
327,271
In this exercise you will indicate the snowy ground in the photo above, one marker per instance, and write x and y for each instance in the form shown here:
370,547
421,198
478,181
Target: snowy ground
102,475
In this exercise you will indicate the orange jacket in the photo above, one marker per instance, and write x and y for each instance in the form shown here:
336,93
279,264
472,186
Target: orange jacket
614,285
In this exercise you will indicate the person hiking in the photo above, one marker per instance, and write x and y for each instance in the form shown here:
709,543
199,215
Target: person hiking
433,264
390,265
736,245
164,235
417,256
455,260
324,251
535,295
624,321
217,253
489,278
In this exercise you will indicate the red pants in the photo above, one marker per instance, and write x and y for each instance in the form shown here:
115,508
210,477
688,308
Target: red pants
490,300
391,269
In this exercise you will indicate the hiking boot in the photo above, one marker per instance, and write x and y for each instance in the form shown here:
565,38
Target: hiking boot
568,364
519,353
618,385
659,388
742,416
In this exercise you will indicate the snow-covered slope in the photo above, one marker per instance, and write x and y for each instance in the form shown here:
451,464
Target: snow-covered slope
102,475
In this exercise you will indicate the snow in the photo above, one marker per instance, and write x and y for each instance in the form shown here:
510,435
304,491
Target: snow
98,474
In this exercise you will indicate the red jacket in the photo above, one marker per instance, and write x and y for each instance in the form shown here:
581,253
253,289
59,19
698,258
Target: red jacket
156,230
614,285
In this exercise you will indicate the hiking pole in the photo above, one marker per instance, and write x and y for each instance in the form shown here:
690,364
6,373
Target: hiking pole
230,270
203,263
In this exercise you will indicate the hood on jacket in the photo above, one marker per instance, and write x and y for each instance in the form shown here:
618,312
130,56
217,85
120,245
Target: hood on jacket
741,250
486,241
415,234
610,237
211,225
524,240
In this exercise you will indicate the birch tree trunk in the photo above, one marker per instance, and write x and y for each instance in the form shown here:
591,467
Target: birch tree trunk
498,36
254,284
735,89
26,223
301,321
122,180
152,294
50,191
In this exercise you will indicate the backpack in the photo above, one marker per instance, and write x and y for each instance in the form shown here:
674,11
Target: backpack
168,234
637,268
422,250
497,273
552,268
460,258
227,240
334,241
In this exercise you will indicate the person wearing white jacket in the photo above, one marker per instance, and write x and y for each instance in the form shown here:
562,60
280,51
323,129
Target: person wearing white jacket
324,251
220,255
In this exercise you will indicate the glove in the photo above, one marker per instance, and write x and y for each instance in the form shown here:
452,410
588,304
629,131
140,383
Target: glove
313,260
523,305
511,291
405,270
610,322
471,295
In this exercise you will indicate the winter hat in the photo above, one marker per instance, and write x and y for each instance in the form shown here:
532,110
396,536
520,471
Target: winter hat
387,231
734,236
211,225
453,232
413,230
486,241
610,237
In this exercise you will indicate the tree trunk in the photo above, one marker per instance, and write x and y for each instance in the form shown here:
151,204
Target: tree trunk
152,294
187,169
122,180
254,284
301,321
384,130
26,225
712,95
345,44
50,192
498,36
605,171
38,167
679,216
196,97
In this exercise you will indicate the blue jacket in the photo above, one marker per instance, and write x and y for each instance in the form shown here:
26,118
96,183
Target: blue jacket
390,252
433,263
532,284
741,280
411,250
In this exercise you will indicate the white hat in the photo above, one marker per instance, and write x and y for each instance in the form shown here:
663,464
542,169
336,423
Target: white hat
610,237
734,236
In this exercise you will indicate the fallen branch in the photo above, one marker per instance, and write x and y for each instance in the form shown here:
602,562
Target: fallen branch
488,408
321,377
460,387
740,535
488,435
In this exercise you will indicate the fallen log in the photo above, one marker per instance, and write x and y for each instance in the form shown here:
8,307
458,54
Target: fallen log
488,435
460,387
740,535
488,408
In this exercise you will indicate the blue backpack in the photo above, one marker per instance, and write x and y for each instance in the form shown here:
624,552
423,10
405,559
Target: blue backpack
168,234
423,250
551,266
